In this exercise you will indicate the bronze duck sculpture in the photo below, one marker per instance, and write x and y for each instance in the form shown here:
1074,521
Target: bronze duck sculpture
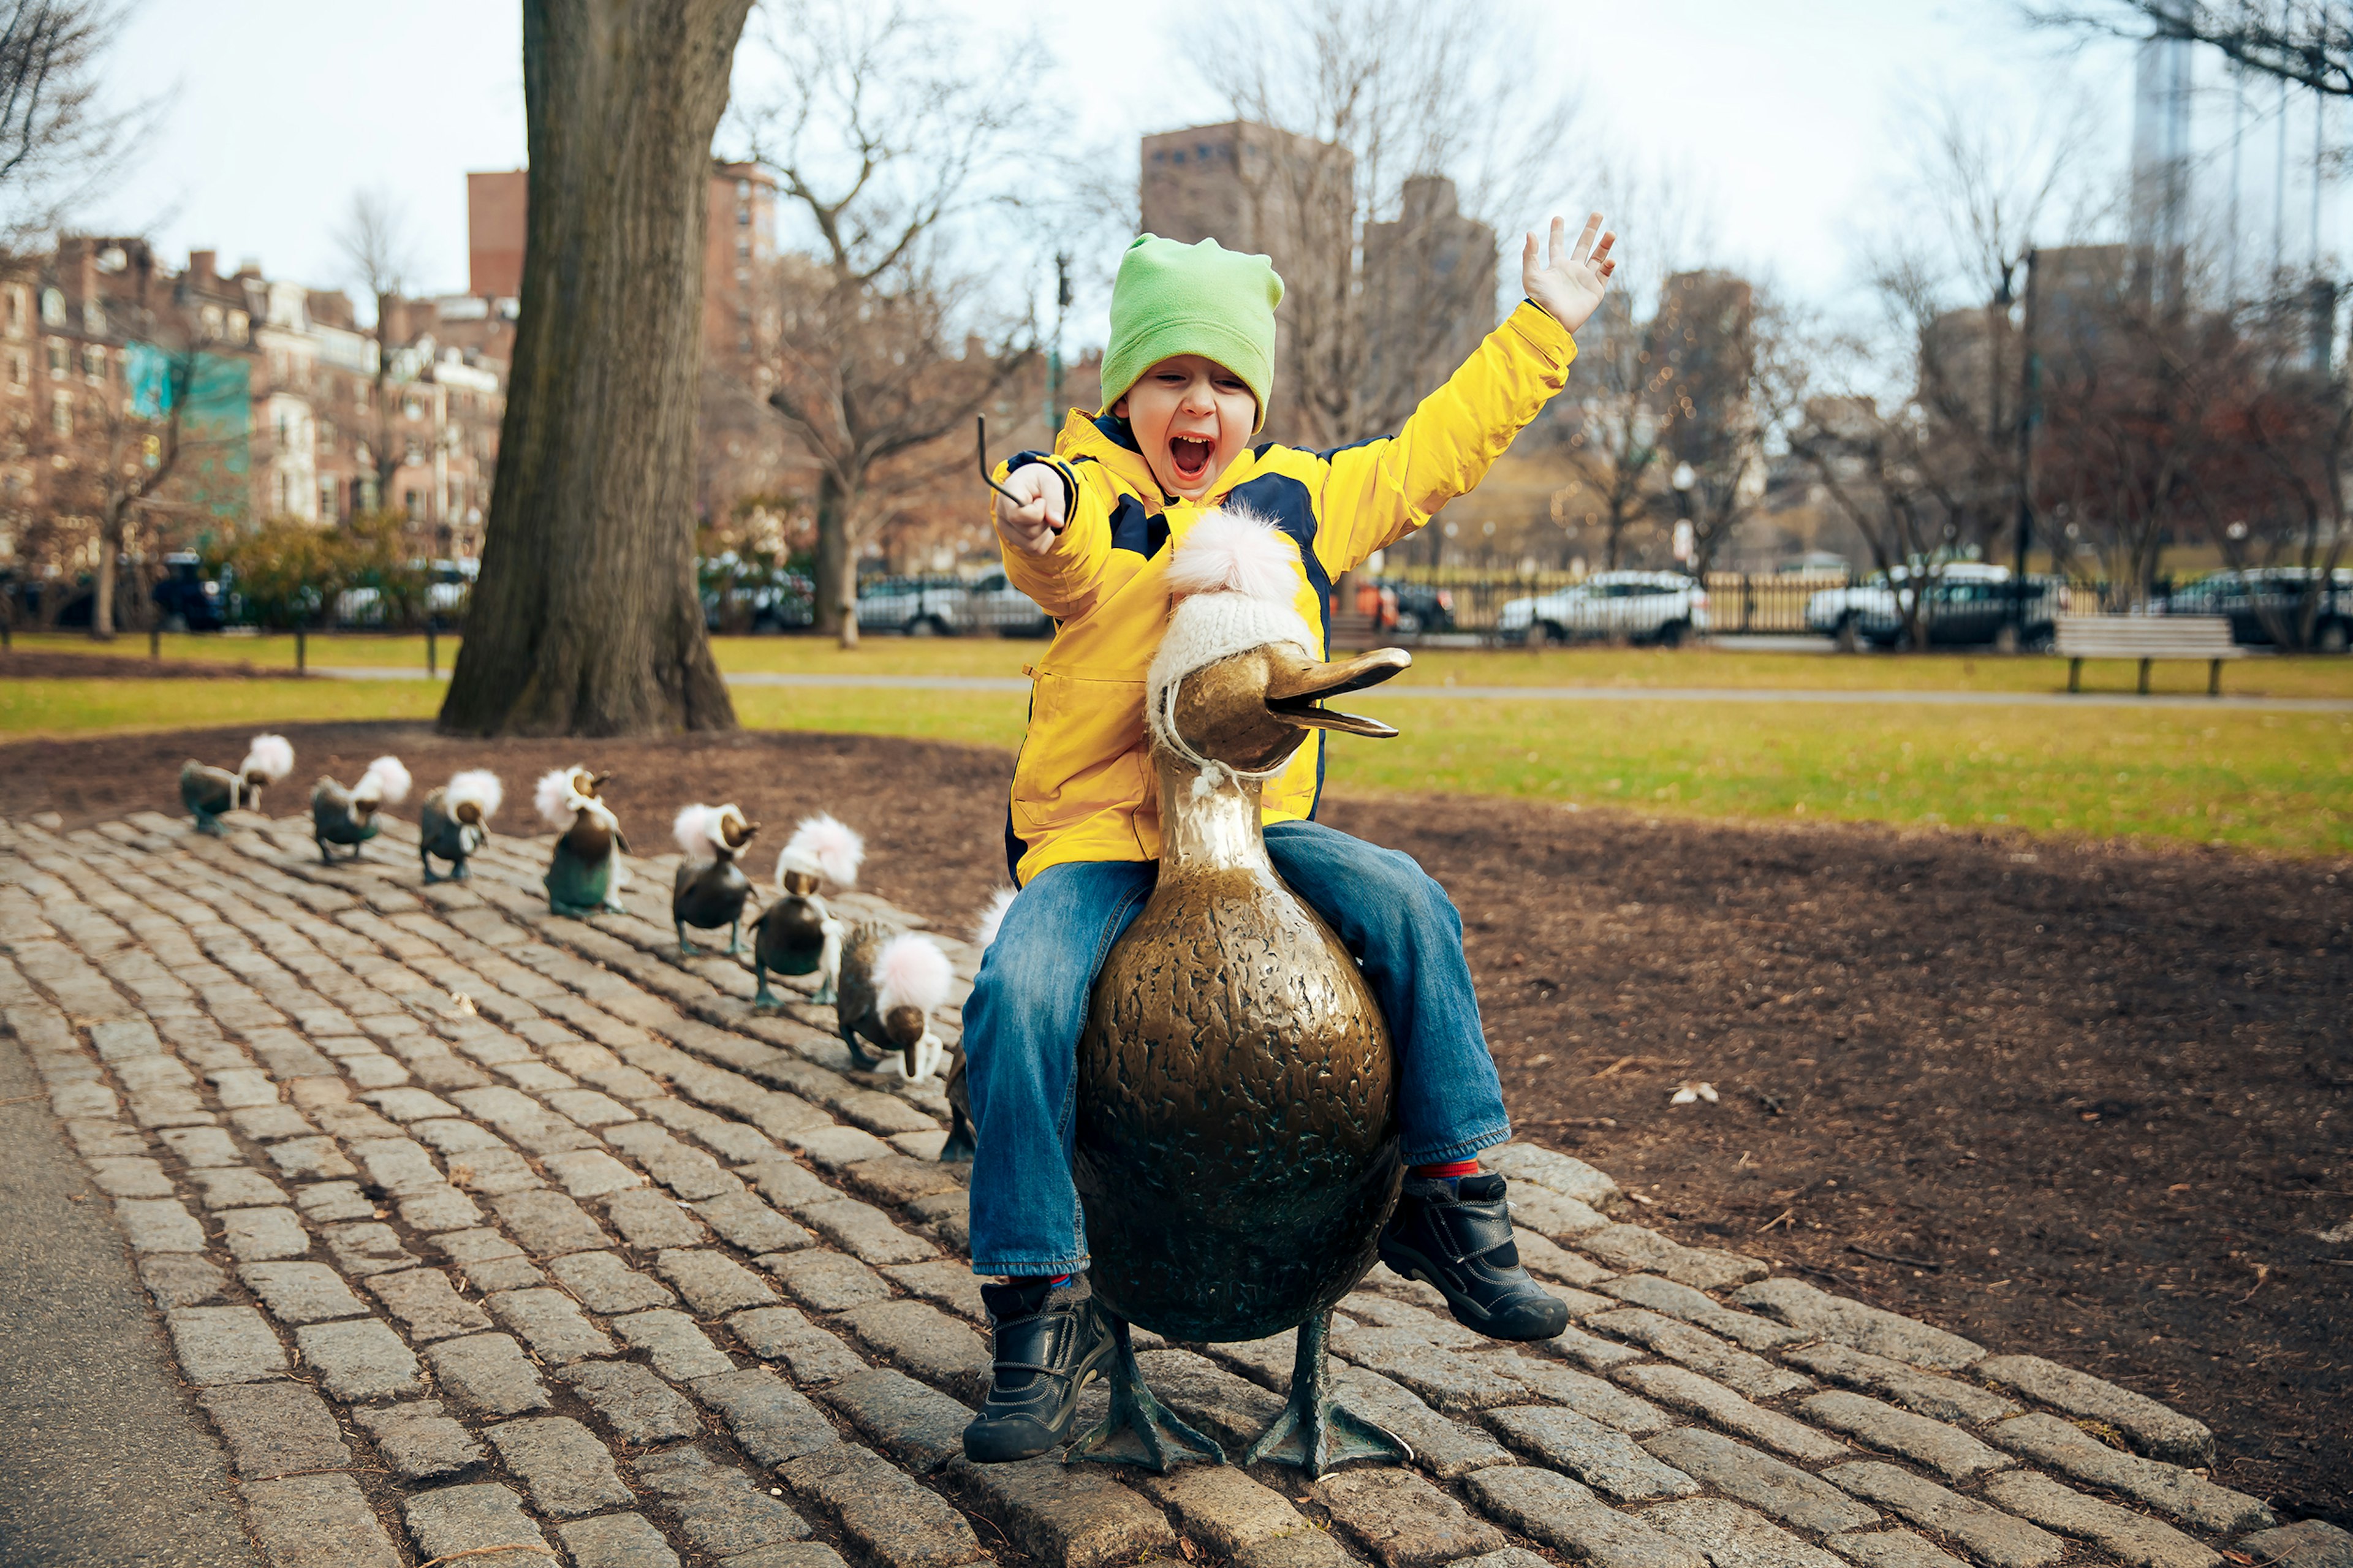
1237,1078
349,816
710,889
210,793
455,821
892,984
585,873
797,934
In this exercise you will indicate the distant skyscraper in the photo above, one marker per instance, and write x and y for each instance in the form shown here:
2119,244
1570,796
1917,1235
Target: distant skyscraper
2160,159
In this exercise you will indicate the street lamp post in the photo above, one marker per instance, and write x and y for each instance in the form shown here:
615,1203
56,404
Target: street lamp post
1685,543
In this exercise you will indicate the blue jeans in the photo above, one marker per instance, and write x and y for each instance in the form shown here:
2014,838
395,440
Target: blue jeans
1029,1004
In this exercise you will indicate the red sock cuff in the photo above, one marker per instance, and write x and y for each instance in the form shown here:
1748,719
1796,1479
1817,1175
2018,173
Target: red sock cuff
1452,1168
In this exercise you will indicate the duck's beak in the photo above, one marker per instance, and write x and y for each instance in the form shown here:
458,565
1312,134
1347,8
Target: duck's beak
1297,686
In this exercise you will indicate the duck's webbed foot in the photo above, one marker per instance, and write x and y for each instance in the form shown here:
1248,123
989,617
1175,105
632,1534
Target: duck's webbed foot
859,1057
325,858
960,1146
1314,1431
735,938
1139,1429
209,824
686,949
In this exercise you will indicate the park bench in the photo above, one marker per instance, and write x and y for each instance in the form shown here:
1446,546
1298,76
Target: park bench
2147,639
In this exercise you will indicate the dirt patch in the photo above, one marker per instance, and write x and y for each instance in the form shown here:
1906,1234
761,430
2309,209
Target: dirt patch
26,664
2091,1101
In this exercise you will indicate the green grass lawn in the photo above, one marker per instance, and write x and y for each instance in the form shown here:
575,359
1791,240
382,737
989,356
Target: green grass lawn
2276,782
86,707
2281,782
1634,667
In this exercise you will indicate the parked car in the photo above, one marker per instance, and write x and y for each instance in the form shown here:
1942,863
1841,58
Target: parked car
943,606
2256,601
447,585
1419,606
918,606
994,605
1662,607
786,603
186,599
1969,603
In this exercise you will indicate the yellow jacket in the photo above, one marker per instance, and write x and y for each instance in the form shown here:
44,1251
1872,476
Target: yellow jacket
1082,789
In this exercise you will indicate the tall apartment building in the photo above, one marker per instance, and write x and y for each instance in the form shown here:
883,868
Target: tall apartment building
1429,294
1425,294
290,407
743,450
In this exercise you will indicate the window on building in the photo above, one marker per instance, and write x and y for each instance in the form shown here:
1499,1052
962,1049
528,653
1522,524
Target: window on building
61,413
211,317
93,318
238,323
330,490
410,500
16,310
743,245
412,409
20,368
53,306
93,363
58,360
743,189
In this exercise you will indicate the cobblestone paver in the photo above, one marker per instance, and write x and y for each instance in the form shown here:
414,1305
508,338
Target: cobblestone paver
475,1228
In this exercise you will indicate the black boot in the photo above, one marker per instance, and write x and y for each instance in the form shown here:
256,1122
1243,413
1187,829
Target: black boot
1454,1231
1049,1340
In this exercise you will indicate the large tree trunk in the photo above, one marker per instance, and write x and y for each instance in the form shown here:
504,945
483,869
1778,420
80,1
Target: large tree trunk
837,572
586,620
110,569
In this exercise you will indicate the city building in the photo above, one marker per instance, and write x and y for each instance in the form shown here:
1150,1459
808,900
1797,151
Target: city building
743,452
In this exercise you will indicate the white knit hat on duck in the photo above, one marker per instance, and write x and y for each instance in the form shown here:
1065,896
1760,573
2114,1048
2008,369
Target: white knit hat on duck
1233,578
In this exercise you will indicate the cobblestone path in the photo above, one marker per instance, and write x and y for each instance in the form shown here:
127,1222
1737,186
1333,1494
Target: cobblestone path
474,1228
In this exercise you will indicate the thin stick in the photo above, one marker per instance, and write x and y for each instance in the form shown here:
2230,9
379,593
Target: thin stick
1893,1257
486,1550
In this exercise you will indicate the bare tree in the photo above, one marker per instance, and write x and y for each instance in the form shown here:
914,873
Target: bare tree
2308,43
894,133
375,240
1373,99
130,461
56,136
586,619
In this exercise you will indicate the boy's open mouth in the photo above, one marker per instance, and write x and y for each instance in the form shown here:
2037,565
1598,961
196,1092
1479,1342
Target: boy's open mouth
1190,455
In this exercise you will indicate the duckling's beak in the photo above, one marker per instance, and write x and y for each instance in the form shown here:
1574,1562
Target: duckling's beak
1297,686
596,782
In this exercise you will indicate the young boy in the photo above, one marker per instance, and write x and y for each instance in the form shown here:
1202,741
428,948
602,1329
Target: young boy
1185,382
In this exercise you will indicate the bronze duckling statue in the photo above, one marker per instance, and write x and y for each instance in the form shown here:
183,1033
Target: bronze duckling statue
1236,1149
892,984
710,889
797,934
585,875
348,816
455,821
210,793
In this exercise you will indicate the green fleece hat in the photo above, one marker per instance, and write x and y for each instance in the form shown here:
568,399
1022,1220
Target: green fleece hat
1204,300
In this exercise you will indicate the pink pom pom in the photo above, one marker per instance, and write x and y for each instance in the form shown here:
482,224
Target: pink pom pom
1235,552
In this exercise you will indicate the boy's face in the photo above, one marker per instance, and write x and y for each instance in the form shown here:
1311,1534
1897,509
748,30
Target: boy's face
1192,417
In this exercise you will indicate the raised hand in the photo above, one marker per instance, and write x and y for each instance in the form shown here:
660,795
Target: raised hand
1036,525
1570,283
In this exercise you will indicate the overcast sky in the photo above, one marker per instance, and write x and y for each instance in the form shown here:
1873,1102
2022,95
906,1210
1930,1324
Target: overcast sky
278,111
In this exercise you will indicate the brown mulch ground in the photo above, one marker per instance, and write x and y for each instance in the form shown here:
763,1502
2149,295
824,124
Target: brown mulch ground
2073,1100
26,664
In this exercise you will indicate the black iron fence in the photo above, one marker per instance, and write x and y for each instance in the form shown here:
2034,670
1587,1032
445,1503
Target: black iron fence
1428,603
